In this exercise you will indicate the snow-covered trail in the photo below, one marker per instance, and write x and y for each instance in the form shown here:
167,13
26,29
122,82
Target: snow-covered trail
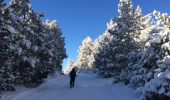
86,88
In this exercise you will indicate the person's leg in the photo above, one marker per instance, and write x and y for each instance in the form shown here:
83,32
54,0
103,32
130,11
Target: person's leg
73,81
70,82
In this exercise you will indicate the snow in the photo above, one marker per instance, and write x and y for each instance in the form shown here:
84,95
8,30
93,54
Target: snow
19,51
33,61
156,38
51,54
162,90
27,43
86,88
159,74
111,25
25,58
167,60
124,0
166,46
12,47
35,48
51,24
167,74
153,86
11,29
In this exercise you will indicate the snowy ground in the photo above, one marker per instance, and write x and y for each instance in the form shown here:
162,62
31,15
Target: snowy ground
86,88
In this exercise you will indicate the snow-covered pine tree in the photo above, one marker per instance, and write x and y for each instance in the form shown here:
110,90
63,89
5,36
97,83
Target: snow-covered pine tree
33,60
104,61
84,54
55,42
101,56
126,27
150,68
132,73
127,35
102,40
6,78
158,86
140,63
26,57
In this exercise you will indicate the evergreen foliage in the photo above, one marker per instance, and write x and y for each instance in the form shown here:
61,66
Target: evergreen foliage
30,49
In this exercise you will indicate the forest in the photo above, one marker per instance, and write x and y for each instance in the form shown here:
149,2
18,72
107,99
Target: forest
133,50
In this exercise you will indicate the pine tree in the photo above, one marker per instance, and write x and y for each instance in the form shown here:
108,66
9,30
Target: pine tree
102,53
55,42
126,27
160,45
84,54
27,56
136,57
6,79
24,40
130,31
30,45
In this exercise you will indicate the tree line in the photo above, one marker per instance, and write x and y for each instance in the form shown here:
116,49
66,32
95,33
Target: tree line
134,49
30,49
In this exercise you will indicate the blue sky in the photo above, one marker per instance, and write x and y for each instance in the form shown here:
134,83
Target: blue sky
81,18
78,19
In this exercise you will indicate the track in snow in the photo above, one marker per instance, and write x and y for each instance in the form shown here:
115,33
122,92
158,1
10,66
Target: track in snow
86,88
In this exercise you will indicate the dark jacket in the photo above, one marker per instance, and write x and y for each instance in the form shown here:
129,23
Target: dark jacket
73,73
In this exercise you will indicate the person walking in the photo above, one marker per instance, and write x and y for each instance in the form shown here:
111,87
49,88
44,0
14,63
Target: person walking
72,77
